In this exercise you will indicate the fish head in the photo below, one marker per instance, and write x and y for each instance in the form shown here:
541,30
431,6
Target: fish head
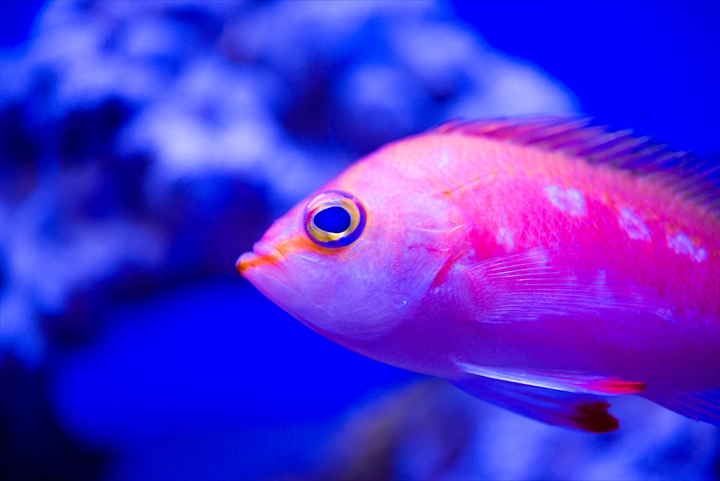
355,258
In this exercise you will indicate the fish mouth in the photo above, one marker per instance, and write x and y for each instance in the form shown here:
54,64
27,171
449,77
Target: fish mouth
271,254
249,260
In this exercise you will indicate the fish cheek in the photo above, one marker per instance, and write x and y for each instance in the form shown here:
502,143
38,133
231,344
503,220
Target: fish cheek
318,283
366,298
375,284
337,291
435,240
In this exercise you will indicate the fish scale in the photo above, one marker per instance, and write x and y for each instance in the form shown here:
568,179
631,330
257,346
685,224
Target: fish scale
595,185
542,265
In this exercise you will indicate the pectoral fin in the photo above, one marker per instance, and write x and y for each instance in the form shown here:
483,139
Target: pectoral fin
561,398
584,412
568,381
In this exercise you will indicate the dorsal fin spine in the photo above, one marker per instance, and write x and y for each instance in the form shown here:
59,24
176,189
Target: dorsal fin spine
623,149
678,171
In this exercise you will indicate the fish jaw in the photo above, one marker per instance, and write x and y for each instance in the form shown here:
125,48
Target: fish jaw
260,265
303,281
262,269
249,260
270,250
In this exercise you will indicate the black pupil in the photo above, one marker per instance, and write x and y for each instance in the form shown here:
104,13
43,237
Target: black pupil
333,219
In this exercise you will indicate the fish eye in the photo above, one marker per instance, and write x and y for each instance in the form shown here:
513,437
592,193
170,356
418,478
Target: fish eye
334,219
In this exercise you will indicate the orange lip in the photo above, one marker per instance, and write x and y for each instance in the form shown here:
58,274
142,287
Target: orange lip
291,245
250,259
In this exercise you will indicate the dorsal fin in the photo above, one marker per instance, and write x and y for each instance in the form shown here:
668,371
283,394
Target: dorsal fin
683,173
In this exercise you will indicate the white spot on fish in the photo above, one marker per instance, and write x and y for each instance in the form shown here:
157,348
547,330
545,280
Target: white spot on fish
633,225
683,245
505,238
539,256
567,200
444,158
665,314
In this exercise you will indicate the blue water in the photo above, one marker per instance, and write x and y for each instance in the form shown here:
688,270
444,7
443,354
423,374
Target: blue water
650,66
145,149
213,366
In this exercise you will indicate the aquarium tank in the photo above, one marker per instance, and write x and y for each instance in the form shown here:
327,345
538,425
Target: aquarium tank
144,145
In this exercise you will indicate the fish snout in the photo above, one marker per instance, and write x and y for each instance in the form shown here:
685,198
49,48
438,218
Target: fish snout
261,255
245,261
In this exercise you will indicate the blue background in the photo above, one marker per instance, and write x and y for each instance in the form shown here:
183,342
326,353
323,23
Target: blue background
653,66
184,382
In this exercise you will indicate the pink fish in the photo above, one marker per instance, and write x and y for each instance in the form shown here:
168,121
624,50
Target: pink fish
541,265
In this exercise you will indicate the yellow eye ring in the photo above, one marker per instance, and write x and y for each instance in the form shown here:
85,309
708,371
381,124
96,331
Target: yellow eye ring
331,202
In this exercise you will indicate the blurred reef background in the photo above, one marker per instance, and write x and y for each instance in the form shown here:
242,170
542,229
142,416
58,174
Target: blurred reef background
145,144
